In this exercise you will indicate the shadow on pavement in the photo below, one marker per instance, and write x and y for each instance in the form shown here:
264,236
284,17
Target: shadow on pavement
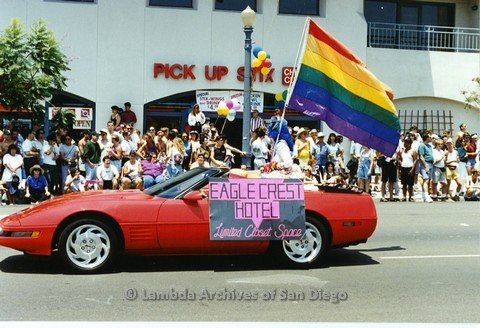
52,265
381,249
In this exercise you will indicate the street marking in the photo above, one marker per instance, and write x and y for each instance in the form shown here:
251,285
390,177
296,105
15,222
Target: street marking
427,256
280,279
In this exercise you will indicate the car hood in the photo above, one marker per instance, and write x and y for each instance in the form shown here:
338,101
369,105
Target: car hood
63,205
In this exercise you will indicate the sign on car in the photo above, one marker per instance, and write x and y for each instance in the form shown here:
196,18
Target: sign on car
245,209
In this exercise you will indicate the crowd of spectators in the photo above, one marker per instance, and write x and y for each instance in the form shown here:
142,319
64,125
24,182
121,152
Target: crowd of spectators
35,167
437,168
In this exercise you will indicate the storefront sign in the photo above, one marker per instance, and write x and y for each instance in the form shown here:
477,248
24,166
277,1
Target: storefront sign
243,209
82,124
287,75
214,72
209,100
83,116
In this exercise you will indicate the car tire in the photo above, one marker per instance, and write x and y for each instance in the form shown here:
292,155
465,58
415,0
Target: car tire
87,245
303,253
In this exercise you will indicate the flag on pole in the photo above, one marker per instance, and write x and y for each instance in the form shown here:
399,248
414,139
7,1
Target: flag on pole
334,85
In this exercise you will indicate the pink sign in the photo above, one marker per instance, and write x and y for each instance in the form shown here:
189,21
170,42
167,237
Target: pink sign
256,199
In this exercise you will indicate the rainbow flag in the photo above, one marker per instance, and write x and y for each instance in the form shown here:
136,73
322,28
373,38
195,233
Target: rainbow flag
334,85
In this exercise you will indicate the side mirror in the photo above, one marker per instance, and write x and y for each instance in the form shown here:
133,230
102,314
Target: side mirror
193,196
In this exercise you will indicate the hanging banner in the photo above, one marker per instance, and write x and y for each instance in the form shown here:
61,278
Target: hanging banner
209,100
244,209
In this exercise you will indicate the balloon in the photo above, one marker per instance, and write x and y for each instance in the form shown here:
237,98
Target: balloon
222,104
268,56
256,62
230,118
278,96
262,55
225,111
236,104
229,104
256,50
265,70
232,112
281,104
285,93
267,63
219,111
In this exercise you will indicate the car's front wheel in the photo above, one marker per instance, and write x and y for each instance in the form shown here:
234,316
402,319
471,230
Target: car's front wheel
309,249
87,245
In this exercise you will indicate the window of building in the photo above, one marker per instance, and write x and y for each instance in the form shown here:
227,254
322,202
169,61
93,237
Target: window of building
172,3
235,5
408,12
415,25
299,7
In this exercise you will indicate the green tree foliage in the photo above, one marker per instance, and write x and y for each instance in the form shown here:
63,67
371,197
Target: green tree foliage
31,66
64,118
472,97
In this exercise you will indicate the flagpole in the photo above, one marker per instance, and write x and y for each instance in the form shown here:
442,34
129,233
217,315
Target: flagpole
300,53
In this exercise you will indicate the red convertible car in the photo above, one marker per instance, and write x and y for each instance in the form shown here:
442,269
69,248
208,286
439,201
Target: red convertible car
89,229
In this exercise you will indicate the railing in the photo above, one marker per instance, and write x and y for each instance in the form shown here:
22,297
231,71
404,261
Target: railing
423,37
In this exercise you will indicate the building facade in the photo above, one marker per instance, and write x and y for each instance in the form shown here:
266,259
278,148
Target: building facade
159,54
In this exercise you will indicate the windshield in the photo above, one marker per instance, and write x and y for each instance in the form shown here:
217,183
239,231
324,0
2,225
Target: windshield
190,180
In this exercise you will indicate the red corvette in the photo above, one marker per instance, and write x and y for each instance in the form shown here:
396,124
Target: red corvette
89,229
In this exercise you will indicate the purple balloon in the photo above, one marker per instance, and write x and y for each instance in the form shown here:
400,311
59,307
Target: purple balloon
229,104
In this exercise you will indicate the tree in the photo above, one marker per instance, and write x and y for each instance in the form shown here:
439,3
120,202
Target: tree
472,98
31,67
64,118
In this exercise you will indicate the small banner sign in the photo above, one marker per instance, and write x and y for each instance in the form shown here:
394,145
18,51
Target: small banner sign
209,100
245,209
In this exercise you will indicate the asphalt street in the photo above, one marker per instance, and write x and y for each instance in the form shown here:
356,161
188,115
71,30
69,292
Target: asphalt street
421,265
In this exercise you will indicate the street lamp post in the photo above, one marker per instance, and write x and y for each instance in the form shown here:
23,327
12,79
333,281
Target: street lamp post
248,18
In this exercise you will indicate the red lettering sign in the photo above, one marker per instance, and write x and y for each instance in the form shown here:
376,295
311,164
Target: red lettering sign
178,71
175,71
255,72
217,72
287,73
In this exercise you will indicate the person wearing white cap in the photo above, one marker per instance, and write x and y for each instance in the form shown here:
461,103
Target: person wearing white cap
105,144
320,152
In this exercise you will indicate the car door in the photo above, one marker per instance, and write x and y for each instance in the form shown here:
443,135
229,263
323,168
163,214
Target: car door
183,228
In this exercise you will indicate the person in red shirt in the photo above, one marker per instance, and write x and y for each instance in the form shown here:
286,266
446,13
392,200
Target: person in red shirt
128,117
472,152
